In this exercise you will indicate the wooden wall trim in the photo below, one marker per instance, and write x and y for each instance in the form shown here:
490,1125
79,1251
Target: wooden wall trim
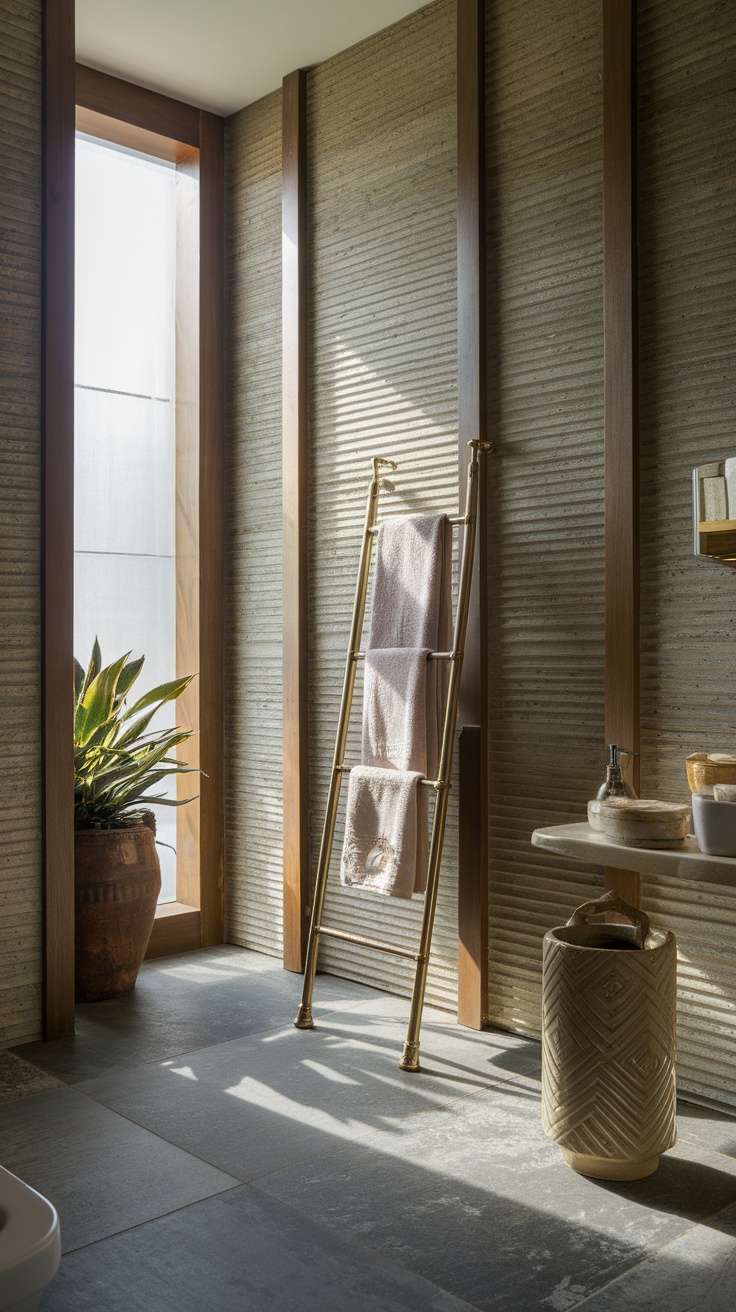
295,544
116,98
473,787
57,390
211,476
620,374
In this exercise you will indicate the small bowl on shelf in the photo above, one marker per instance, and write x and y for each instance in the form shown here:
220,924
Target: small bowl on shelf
714,823
704,770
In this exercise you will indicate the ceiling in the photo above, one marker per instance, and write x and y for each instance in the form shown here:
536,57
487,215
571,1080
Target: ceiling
223,54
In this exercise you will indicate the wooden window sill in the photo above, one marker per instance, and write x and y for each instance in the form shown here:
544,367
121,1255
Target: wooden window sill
175,929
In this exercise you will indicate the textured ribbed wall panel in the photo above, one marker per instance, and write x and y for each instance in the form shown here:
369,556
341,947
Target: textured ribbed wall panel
253,797
687,236
544,141
384,382
20,500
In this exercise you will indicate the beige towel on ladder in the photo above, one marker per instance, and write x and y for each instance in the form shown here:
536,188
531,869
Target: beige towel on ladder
385,849
412,590
387,820
400,711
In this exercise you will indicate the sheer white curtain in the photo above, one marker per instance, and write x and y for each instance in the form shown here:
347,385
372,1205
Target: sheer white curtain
124,580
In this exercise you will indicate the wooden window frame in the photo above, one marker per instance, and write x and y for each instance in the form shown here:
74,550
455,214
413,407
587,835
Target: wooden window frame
295,456
115,110
157,125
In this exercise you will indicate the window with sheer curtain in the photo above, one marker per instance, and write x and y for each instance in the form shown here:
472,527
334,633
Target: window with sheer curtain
125,421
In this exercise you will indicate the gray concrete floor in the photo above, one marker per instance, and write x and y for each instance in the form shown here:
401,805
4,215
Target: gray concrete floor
204,1154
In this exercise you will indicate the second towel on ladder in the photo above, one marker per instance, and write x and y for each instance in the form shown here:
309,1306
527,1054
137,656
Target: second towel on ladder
402,710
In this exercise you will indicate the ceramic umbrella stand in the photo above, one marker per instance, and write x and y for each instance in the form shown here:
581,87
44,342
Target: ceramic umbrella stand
608,1040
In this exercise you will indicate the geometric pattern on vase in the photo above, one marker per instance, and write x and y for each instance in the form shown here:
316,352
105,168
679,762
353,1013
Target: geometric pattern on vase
608,1048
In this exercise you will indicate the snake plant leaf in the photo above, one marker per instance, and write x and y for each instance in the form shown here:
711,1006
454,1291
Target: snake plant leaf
144,771
136,730
161,800
140,793
118,759
78,679
95,665
128,676
165,692
96,705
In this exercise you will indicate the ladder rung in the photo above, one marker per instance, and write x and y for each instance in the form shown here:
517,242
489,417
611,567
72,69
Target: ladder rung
433,656
375,943
427,783
454,520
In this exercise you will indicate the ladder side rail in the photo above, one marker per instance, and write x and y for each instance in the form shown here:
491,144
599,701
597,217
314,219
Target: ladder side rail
304,1019
410,1058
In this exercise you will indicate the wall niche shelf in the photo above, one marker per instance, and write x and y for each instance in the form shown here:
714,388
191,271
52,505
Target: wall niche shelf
714,536
717,539
585,844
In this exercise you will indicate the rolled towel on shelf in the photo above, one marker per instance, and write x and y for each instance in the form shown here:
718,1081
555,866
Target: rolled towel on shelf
385,848
412,593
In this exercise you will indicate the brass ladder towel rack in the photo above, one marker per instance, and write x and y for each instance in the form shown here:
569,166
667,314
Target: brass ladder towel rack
441,785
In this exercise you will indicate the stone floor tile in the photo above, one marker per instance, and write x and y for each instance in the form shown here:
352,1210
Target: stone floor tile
241,1252
182,1003
696,1271
711,1129
102,1173
21,1079
263,1102
198,1000
475,1197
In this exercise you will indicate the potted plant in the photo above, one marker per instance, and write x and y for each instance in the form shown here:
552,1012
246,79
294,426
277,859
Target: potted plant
118,759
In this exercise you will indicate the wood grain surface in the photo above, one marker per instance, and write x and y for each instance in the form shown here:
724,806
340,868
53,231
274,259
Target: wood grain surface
295,455
472,998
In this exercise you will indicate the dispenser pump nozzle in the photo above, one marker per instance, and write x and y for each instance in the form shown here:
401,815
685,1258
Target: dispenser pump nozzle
615,785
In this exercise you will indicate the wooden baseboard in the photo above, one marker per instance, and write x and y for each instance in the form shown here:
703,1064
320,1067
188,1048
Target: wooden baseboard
176,929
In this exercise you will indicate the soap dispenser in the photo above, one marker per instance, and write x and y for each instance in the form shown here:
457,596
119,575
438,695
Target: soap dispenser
614,784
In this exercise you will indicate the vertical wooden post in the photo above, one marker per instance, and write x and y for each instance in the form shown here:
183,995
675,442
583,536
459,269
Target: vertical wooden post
473,711
186,533
294,456
620,370
211,475
57,390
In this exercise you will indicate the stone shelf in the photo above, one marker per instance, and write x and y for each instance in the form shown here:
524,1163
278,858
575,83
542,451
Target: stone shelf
585,844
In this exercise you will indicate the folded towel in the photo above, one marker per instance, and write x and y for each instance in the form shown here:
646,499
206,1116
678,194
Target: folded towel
403,710
412,602
385,848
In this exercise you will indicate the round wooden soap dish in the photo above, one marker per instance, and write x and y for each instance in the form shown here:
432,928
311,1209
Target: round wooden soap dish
638,822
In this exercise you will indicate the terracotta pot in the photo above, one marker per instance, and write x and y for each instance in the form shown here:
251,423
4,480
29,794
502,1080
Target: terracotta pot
117,881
